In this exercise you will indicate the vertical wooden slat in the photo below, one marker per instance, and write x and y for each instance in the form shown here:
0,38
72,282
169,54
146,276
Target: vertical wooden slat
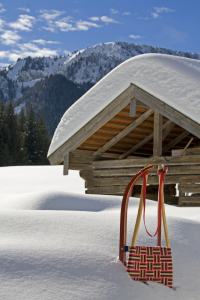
133,108
157,134
181,194
160,227
66,164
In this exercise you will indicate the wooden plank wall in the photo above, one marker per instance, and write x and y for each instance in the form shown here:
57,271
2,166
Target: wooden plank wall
103,180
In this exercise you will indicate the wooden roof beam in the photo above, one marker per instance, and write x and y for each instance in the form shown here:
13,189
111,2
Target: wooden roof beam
167,111
143,142
134,162
132,108
93,125
124,132
167,130
175,141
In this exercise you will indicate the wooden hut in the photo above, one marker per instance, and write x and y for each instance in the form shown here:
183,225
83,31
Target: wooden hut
145,111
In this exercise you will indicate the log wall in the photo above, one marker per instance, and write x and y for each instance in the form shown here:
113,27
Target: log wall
105,178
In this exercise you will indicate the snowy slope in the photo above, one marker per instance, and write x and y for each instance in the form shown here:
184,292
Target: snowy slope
89,64
55,244
174,80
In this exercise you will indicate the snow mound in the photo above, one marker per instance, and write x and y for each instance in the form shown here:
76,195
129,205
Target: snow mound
55,244
58,201
174,80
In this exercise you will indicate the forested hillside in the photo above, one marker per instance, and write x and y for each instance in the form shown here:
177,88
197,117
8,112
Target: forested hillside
51,97
23,138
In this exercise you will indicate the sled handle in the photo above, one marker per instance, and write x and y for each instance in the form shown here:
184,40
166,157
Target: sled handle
124,209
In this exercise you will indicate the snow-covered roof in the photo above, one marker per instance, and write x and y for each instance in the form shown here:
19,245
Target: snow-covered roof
174,80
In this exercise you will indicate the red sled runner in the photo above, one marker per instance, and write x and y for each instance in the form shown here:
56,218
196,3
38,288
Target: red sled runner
146,263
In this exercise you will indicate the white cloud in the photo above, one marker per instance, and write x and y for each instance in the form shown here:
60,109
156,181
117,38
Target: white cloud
50,28
64,25
9,37
27,49
126,13
107,20
67,24
2,9
135,36
25,22
161,9
154,15
140,18
94,18
43,42
1,22
114,11
50,14
24,9
84,25
4,65
67,52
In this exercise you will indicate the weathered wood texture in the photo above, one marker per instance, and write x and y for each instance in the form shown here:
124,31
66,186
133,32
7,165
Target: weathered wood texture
93,125
143,142
184,190
172,170
167,111
167,130
153,180
66,165
166,160
189,188
188,144
175,141
190,151
188,200
116,117
77,166
108,190
157,134
133,108
124,132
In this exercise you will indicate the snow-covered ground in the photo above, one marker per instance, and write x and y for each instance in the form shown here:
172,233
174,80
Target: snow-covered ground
57,243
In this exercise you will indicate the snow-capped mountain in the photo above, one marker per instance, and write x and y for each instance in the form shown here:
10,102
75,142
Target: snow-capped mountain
87,65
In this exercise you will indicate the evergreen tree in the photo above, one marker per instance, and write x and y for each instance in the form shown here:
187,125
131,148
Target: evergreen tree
43,142
14,149
21,126
31,137
22,122
2,133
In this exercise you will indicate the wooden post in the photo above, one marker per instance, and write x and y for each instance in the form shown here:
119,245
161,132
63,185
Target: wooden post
181,194
66,164
133,108
157,134
188,144
160,227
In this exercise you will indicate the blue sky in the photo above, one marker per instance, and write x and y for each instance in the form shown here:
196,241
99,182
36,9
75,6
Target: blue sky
46,28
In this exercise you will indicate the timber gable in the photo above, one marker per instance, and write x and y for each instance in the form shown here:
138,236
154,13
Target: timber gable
135,129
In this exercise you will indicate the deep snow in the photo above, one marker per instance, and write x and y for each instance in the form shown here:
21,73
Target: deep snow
57,243
174,80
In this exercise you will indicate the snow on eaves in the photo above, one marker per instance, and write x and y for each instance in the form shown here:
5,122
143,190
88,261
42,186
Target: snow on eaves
174,80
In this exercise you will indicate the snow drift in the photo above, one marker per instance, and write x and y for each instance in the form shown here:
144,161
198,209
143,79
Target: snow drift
174,80
56,244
